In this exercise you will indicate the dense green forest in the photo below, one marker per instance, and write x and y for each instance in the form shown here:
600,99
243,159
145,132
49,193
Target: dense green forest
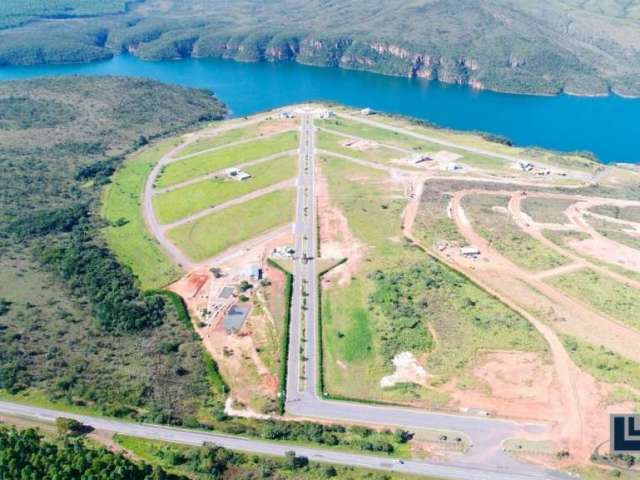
25,454
65,301
509,45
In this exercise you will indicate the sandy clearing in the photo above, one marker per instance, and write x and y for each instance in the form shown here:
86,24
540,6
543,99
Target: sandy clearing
336,239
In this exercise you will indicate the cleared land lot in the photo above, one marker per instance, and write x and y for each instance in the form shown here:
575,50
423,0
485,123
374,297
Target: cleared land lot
177,204
193,167
397,297
127,234
491,220
603,294
257,130
334,143
546,210
210,235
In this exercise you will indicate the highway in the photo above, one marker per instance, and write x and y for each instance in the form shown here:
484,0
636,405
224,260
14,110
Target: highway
486,434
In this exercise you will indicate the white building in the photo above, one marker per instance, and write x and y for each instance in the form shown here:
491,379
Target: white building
470,251
237,174
366,111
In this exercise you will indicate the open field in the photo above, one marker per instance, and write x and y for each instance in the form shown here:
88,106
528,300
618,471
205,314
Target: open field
179,203
214,233
266,127
603,294
376,153
614,231
491,221
207,162
381,135
631,214
546,210
127,234
445,320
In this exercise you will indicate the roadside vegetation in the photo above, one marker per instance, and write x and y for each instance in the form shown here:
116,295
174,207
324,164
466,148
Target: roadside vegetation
207,162
182,202
203,462
402,300
602,293
491,220
210,235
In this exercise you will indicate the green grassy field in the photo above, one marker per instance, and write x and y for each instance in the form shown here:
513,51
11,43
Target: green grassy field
378,134
359,337
177,204
227,157
546,210
127,234
603,294
492,222
240,133
214,233
333,143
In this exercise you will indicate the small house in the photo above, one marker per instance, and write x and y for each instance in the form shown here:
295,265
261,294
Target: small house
366,111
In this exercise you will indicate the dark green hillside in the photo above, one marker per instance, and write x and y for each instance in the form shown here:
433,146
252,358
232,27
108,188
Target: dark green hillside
583,47
74,325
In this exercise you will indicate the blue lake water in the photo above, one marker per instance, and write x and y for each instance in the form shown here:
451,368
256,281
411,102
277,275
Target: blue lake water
606,126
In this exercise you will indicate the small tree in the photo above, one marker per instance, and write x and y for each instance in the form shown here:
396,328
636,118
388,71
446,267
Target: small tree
69,426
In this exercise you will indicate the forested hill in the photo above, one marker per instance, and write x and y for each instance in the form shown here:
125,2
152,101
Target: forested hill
66,302
577,46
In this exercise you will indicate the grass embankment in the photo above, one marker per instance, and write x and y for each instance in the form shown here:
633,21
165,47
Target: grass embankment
605,295
214,233
492,221
361,332
127,234
547,210
378,154
284,338
208,162
241,133
177,204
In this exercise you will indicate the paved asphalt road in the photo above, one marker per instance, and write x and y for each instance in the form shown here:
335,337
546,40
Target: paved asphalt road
193,437
486,434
